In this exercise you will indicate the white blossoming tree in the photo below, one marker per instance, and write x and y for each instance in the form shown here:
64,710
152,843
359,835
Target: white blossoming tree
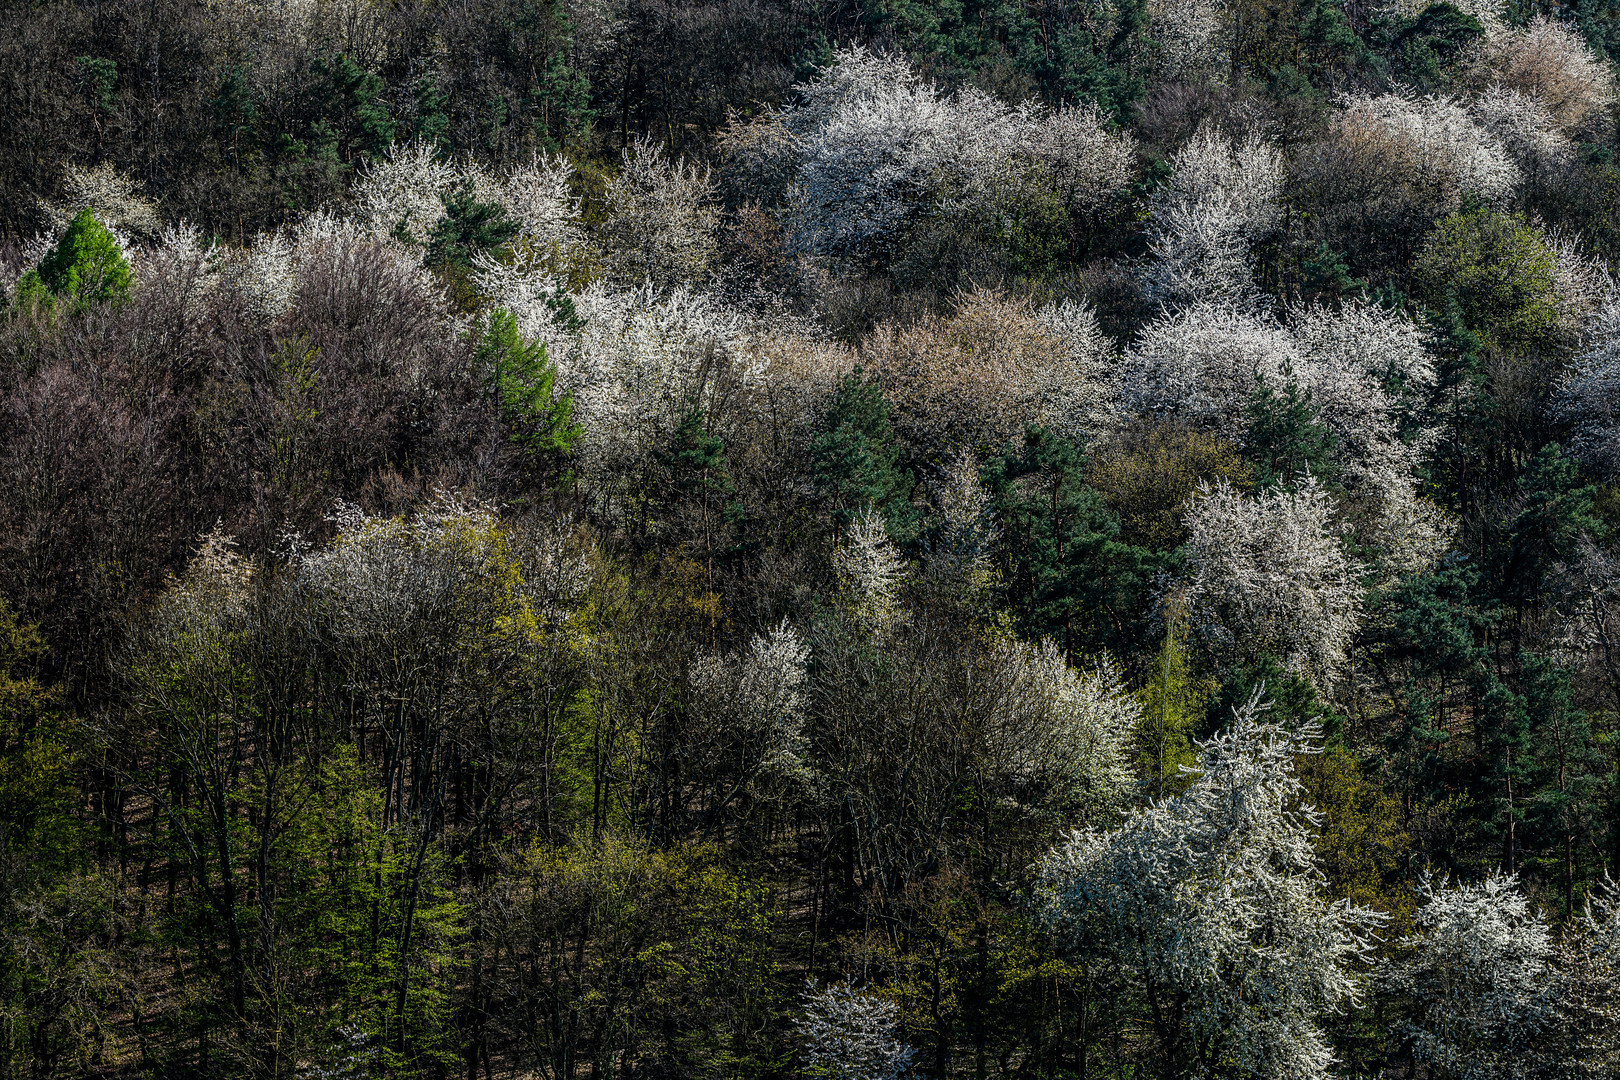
1222,199
665,214
1270,574
1476,975
750,711
1202,363
877,149
849,1034
1213,903
1063,734
1588,398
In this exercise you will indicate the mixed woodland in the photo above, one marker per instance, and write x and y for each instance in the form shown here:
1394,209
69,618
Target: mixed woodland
825,539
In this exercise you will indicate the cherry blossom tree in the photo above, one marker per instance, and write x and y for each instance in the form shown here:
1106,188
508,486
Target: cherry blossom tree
1270,574
850,1034
1222,199
665,213
1476,972
1213,901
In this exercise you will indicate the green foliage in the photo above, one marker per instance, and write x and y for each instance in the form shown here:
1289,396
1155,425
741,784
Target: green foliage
855,461
97,77
355,120
1500,272
1285,439
1555,512
86,267
1428,49
38,830
469,227
561,105
523,380
1172,706
1326,276
429,122
1065,571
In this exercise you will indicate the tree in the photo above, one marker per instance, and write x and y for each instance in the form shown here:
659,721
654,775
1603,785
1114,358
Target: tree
1062,565
1474,973
856,464
663,228
523,379
1220,203
1270,574
849,1034
87,266
1213,901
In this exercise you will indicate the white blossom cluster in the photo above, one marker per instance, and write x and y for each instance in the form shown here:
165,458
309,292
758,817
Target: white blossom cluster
1203,362
1270,573
1221,199
402,195
1588,397
115,198
1526,128
759,699
663,229
1186,37
1214,897
850,1034
1548,61
1477,969
1065,731
967,534
1367,372
877,148
871,573
638,363
1433,141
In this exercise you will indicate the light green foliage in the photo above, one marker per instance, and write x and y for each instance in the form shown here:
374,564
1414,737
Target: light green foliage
87,266
1500,271
524,381
1172,706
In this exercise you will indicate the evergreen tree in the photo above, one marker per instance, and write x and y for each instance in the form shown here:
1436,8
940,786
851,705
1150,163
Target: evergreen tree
855,461
87,266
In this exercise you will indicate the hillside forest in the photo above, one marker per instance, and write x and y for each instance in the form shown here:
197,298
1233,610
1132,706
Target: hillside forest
809,539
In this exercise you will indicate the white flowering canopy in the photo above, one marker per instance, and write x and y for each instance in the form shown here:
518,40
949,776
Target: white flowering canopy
871,573
1588,398
850,1034
878,147
1435,139
1477,970
1215,896
1203,362
1065,732
1270,574
759,699
1221,199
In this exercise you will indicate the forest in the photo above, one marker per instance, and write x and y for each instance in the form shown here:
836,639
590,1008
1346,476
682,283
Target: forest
809,539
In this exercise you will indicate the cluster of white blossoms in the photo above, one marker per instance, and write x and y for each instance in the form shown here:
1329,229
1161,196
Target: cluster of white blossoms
871,574
665,220
873,148
1222,198
758,700
1433,141
1366,370
402,195
1548,61
1214,898
849,1034
1064,732
1588,397
1271,574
